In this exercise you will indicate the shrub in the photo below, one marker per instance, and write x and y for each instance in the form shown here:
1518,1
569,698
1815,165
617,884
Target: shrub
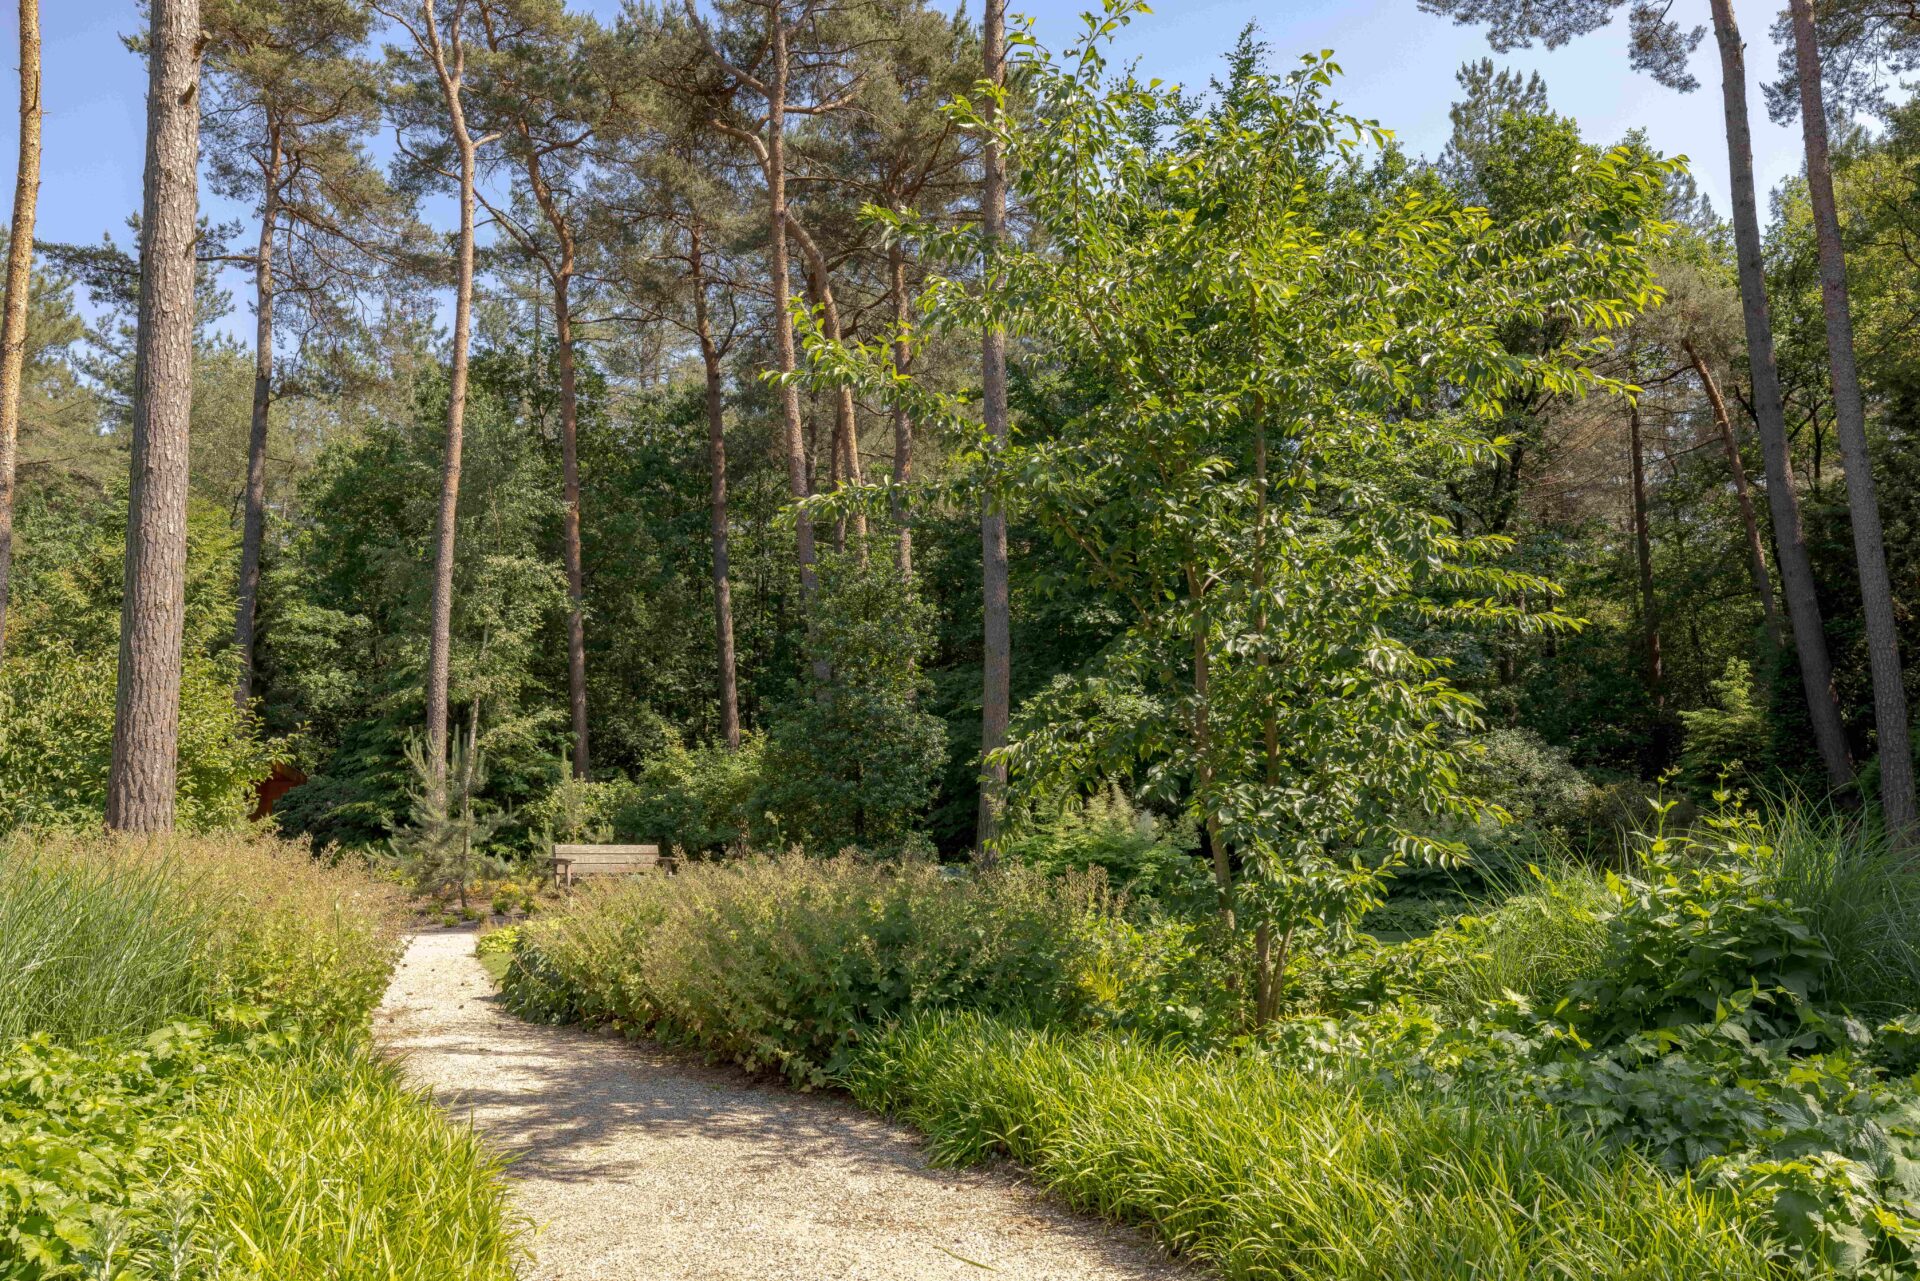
1139,852
1729,739
696,799
1267,1171
790,963
100,936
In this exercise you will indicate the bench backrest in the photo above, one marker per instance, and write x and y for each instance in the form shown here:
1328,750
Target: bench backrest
587,860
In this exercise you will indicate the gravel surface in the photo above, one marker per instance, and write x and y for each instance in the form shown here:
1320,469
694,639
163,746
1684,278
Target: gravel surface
642,1165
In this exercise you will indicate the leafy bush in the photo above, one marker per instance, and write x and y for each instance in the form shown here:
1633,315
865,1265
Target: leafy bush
853,760
1729,739
106,937
1140,852
696,799
1266,1171
578,810
791,963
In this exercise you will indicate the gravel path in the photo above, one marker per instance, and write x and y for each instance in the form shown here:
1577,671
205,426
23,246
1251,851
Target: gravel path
640,1165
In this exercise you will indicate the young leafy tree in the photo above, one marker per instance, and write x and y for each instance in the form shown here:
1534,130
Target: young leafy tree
1660,47
288,102
13,323
1273,361
437,65
146,725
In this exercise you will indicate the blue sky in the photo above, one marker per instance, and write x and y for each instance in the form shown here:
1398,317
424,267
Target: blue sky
1399,66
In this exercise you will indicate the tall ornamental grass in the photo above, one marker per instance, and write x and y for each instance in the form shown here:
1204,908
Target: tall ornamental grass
791,963
1269,1172
108,937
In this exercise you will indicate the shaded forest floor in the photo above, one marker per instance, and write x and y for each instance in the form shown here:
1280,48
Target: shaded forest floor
637,1161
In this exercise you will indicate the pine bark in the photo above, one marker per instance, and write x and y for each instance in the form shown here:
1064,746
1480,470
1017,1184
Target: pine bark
146,723
254,524
717,501
779,267
13,326
1651,671
440,626
570,514
902,421
1897,801
997,664
1749,523
1789,540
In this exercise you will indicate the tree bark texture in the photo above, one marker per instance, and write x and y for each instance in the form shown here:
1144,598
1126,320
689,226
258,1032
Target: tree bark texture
146,721
717,502
13,326
1789,540
997,664
1897,801
254,525
902,421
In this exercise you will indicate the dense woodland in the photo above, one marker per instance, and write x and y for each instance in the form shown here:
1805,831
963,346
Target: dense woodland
1351,707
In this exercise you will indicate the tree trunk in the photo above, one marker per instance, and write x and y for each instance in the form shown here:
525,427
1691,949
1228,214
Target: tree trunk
254,527
1897,802
1790,547
997,665
844,449
570,520
146,722
1756,553
778,269
13,327
902,422
440,635
717,517
1643,557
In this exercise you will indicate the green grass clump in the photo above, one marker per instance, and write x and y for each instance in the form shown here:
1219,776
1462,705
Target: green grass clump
105,937
1270,1172
790,963
327,1165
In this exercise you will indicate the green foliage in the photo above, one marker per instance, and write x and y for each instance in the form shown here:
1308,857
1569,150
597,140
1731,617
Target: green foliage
445,846
1140,852
578,810
852,760
698,799
1263,1170
57,687
792,963
1728,740
99,937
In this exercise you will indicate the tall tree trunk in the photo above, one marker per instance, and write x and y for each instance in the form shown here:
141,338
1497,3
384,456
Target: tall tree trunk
146,721
717,505
13,327
1897,801
1643,556
996,693
440,634
570,516
778,269
1790,547
254,526
844,450
902,421
1749,524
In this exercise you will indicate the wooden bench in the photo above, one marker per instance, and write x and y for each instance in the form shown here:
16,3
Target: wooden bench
570,861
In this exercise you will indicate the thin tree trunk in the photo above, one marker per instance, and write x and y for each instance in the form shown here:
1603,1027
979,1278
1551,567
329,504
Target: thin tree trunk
13,327
902,422
440,635
1897,800
254,526
717,488
778,269
146,723
844,449
997,665
1643,556
570,516
1749,523
1789,541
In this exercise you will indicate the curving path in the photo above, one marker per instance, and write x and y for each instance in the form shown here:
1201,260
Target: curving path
641,1165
